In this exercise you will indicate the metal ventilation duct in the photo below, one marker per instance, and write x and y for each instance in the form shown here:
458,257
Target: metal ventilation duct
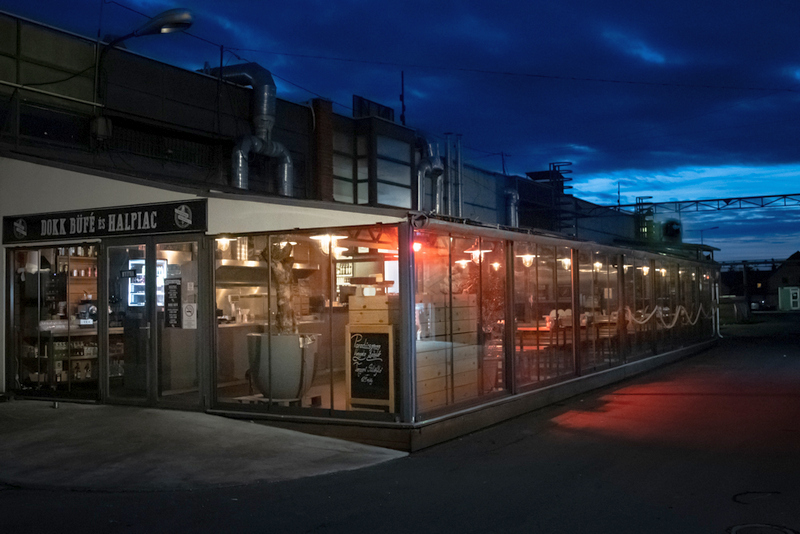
512,205
263,119
430,169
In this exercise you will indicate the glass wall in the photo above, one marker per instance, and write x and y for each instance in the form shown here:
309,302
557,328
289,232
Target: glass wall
394,172
177,300
308,320
460,319
54,315
600,324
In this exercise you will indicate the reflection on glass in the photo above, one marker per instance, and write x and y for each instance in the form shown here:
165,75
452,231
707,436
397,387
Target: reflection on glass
178,321
492,305
284,312
460,319
56,312
527,348
129,327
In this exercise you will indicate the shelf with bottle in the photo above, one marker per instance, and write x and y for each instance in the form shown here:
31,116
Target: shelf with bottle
78,266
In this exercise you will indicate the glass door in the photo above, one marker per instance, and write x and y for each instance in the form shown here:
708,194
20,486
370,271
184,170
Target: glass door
176,323
152,303
129,321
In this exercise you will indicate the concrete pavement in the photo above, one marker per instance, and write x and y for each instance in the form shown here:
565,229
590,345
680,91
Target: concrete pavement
121,448
710,444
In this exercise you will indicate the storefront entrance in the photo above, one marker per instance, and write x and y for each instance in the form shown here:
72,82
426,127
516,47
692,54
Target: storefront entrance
151,312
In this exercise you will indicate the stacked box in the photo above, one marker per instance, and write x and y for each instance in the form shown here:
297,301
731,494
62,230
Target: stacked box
380,309
447,350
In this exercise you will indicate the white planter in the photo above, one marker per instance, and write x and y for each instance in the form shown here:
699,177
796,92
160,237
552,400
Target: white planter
286,375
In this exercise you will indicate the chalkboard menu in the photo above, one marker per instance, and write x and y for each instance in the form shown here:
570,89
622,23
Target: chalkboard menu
370,374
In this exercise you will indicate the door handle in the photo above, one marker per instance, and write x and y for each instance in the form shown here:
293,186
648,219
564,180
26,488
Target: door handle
146,328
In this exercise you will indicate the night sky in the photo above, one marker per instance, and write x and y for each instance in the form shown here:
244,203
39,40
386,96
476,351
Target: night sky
678,100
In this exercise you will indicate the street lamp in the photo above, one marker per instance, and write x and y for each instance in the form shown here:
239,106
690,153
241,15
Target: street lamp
706,230
170,21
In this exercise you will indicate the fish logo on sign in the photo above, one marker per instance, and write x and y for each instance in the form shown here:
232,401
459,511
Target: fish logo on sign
20,229
183,216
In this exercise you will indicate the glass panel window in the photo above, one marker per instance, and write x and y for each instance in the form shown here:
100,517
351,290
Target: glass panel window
343,166
55,314
554,334
178,322
361,146
343,191
393,148
492,306
459,316
363,170
526,314
342,143
363,193
129,326
397,173
297,312
390,195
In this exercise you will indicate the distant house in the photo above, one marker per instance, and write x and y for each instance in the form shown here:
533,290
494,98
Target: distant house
784,284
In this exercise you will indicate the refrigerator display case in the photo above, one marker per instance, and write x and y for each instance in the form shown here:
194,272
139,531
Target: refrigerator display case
136,285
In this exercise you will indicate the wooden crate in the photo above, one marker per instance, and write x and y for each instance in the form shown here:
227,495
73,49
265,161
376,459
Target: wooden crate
436,361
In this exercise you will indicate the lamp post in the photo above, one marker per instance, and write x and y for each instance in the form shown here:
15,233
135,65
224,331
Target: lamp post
706,230
170,21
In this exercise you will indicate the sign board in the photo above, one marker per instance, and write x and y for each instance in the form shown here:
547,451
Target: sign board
172,303
144,219
370,366
189,316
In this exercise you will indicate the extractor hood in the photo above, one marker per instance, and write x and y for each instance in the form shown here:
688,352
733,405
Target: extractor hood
239,273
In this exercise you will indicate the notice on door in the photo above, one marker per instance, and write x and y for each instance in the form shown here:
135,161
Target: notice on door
173,314
190,316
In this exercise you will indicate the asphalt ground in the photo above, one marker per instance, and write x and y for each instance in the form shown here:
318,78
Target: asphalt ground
709,444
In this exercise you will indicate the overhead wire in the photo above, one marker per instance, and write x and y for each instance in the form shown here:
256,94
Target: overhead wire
487,153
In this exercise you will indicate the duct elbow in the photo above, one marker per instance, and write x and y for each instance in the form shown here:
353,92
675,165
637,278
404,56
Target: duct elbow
285,173
271,149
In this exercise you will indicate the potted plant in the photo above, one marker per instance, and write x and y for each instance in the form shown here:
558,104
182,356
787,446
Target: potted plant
281,361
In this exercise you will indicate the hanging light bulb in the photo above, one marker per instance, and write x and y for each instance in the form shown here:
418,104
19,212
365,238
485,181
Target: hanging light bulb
527,260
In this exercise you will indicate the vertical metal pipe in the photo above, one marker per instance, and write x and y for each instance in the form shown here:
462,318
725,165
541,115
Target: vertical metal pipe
460,169
510,346
439,206
449,319
269,321
576,310
450,180
654,303
448,172
332,294
622,320
408,353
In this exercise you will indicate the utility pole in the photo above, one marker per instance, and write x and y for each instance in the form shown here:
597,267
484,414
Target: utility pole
402,98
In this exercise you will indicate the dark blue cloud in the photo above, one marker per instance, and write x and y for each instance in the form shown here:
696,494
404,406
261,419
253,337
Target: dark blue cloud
620,87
